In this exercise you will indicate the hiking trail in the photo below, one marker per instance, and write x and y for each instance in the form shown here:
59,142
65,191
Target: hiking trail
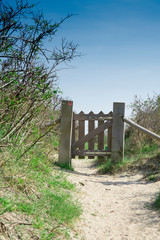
115,207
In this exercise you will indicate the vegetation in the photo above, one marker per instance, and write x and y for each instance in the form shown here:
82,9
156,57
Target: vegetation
36,200
27,85
146,160
36,188
142,153
147,114
32,189
156,204
65,166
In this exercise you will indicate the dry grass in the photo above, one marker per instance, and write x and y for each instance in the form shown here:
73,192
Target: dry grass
36,200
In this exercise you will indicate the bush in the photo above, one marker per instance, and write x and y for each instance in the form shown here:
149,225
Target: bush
147,114
156,204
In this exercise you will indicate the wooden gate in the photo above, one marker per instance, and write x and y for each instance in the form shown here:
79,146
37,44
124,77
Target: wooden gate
73,141
91,144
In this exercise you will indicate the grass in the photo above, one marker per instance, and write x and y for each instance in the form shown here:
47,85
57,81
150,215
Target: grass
36,188
65,166
146,159
156,203
107,166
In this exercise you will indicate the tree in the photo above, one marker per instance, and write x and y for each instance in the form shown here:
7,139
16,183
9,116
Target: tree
27,87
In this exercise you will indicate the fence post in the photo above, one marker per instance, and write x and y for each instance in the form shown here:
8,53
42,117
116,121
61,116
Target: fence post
117,153
66,133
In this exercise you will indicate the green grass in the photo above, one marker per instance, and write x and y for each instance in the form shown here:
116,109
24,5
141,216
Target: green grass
65,166
156,204
107,166
146,159
37,188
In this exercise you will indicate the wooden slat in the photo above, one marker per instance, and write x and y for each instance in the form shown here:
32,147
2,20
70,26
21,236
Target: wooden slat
93,116
81,132
73,131
101,136
73,134
109,139
91,126
95,132
91,153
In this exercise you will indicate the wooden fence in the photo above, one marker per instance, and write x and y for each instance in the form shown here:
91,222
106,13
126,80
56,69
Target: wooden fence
73,144
70,147
104,121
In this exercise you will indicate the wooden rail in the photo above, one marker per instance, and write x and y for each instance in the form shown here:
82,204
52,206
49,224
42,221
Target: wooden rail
92,116
92,134
146,131
91,153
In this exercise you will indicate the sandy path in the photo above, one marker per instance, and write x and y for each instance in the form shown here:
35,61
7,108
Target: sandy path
114,207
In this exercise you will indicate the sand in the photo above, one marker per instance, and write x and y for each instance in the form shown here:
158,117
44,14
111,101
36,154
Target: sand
114,207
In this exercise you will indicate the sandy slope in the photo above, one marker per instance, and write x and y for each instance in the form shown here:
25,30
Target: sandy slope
115,207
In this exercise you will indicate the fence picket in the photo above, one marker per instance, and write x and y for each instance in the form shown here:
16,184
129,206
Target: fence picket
101,136
109,138
91,126
81,132
73,133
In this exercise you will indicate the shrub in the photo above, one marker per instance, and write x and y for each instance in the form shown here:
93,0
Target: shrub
147,114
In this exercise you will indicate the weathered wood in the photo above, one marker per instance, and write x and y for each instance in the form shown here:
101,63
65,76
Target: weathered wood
118,132
73,131
73,134
91,126
93,116
101,136
91,153
66,133
109,138
144,130
81,131
95,132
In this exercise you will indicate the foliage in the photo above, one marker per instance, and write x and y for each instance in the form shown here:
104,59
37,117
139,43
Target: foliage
107,166
36,189
145,160
147,114
28,87
65,166
156,203
141,152
30,184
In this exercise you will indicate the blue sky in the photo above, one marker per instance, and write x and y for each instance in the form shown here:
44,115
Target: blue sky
120,40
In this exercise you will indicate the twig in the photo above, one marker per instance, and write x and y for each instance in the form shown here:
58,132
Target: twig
19,38
51,123
21,223
6,85
35,143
